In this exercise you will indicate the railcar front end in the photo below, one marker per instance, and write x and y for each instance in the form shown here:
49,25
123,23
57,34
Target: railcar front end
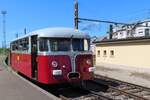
64,60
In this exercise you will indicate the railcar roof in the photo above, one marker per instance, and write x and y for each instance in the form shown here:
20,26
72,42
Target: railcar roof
57,33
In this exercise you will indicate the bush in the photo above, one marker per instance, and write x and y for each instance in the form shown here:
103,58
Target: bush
4,51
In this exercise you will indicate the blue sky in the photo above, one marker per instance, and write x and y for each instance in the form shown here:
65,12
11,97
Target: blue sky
36,14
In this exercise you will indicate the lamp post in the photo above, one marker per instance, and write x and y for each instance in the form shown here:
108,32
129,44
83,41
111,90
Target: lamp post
4,28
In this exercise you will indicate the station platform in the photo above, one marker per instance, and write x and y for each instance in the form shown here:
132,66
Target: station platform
127,75
13,87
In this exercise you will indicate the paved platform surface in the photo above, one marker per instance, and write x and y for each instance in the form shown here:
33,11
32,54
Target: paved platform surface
14,88
130,76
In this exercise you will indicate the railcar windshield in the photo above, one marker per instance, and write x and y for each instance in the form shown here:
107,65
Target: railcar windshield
59,44
63,44
80,45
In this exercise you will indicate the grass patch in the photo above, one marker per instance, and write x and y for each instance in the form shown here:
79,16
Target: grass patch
141,75
3,54
2,58
4,51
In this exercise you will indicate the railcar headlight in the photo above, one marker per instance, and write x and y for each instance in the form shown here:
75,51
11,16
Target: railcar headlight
64,66
54,63
88,61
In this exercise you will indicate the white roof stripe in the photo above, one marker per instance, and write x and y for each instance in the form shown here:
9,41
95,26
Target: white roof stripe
57,33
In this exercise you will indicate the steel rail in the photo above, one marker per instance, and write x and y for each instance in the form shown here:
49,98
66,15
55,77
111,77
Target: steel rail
122,82
64,98
101,96
137,97
128,93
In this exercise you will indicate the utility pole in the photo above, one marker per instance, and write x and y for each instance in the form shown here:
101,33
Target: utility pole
77,19
16,35
4,28
110,31
25,31
76,14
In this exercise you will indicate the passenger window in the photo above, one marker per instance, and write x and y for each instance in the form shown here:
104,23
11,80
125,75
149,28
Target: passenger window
14,46
86,45
43,45
54,46
19,45
25,44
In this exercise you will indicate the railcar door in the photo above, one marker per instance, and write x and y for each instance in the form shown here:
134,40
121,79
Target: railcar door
34,56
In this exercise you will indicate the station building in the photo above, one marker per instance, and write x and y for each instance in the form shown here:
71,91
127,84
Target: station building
129,53
137,29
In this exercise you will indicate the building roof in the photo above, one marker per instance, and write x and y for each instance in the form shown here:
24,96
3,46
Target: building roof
58,32
128,40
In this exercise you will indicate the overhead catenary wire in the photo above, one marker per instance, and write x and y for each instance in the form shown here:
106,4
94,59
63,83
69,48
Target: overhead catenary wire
101,21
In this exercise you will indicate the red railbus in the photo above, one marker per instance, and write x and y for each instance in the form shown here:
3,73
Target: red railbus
53,55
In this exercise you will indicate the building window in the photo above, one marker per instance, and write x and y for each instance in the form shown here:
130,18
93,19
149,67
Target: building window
116,34
111,53
140,31
147,32
121,33
146,24
98,53
105,53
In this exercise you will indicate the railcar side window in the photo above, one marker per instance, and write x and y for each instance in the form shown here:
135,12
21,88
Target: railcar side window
25,44
14,46
43,45
20,45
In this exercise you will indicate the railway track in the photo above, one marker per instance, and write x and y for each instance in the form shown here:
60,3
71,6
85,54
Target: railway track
91,96
123,89
117,90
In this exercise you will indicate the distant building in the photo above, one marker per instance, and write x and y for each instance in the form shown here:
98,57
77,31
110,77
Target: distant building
93,46
138,29
131,53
